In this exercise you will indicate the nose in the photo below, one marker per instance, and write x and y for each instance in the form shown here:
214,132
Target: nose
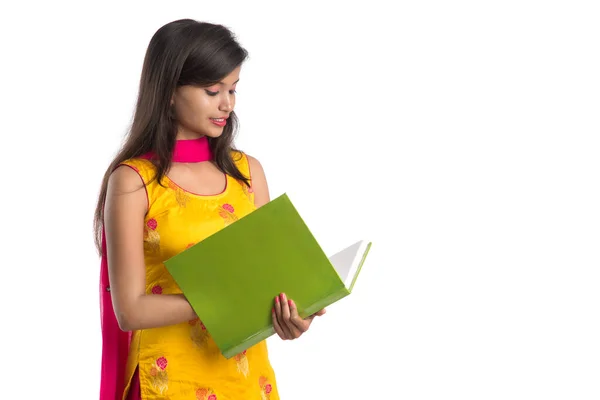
226,104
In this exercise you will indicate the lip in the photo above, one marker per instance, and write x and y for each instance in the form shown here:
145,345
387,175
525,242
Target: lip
221,123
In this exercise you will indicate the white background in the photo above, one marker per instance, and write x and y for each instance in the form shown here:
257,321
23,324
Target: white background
461,137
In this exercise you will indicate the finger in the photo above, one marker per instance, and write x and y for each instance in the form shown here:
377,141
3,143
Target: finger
298,322
277,322
286,314
276,325
321,312
279,310
317,314
277,306
285,307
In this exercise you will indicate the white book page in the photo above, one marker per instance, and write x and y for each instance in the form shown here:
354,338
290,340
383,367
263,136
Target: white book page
346,262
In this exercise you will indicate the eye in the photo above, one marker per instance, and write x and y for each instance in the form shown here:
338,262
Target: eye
233,91
208,92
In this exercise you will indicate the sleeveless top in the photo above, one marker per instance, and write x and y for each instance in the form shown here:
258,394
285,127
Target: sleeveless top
182,361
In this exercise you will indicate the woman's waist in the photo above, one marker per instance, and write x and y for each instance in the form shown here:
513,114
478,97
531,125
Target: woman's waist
186,341
183,332
186,338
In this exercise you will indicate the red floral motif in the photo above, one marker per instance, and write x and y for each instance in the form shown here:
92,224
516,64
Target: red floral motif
227,213
162,363
197,321
265,387
151,236
248,191
159,377
198,332
205,394
157,289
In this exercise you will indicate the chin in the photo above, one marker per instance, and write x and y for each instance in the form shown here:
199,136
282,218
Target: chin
214,132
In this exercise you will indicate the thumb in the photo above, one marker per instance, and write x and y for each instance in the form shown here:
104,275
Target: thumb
320,312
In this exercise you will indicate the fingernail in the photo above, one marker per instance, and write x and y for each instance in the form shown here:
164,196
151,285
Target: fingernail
290,302
273,310
277,299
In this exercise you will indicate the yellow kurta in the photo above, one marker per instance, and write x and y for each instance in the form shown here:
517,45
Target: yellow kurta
182,361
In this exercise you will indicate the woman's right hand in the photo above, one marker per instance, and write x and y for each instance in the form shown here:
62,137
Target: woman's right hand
286,321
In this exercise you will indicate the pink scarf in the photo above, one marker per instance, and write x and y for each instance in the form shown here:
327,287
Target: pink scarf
115,342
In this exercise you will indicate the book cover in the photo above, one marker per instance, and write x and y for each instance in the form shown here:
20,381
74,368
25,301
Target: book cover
232,277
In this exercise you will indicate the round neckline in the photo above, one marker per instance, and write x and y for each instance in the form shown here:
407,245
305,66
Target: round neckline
175,185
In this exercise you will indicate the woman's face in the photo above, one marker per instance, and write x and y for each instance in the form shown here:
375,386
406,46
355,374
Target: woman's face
205,111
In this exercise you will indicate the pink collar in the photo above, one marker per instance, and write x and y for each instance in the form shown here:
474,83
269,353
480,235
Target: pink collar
189,151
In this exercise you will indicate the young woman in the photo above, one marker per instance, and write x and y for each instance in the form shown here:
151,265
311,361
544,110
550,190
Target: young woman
177,180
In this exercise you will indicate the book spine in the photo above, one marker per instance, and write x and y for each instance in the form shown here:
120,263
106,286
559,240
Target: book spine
249,342
266,333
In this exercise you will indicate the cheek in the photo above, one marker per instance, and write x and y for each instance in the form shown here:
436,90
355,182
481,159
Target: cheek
202,104
192,108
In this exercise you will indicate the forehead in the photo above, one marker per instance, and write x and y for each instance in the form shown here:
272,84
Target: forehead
232,78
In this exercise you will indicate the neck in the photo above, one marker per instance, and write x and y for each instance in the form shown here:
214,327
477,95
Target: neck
189,151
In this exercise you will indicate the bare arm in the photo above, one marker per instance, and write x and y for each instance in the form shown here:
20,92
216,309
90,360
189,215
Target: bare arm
259,182
126,206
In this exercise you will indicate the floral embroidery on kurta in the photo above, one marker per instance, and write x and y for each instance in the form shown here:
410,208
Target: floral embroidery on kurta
157,289
205,394
159,376
248,191
227,213
180,195
265,388
198,332
242,363
151,236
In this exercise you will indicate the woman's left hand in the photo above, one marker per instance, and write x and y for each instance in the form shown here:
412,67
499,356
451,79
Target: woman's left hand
287,322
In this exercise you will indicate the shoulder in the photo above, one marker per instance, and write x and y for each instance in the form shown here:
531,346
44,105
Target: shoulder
140,165
256,168
127,185
126,178
247,164
259,181
128,175
144,168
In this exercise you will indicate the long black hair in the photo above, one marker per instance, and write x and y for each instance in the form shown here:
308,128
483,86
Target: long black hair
182,52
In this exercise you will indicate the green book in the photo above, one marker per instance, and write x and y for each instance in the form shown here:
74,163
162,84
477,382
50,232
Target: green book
232,277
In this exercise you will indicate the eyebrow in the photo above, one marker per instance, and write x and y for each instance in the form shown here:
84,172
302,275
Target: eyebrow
223,83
